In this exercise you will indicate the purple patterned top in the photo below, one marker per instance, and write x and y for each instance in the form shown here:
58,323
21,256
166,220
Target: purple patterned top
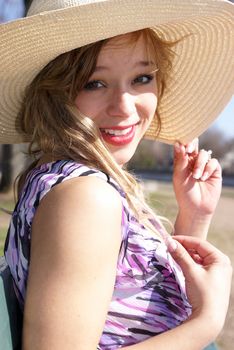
149,293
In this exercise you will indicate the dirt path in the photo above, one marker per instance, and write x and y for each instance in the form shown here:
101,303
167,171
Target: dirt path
222,235
224,215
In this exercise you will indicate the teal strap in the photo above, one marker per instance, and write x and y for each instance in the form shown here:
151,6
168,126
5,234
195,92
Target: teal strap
10,313
211,347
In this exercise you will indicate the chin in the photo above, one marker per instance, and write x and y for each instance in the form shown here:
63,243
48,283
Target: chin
122,157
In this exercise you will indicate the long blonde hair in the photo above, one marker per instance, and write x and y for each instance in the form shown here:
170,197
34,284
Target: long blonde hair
49,115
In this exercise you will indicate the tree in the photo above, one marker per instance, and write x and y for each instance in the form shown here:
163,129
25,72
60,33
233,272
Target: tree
152,155
27,4
215,140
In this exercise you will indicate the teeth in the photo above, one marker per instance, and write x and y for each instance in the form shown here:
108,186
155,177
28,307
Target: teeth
117,132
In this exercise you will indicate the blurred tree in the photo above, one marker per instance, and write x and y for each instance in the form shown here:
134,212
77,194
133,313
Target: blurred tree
157,156
215,140
27,4
227,162
152,155
6,167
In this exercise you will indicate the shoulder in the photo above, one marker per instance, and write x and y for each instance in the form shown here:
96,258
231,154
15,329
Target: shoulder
83,204
42,180
83,191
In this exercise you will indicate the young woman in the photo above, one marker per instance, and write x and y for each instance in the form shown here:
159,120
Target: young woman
92,264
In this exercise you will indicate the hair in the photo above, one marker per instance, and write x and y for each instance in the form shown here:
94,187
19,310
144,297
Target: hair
49,115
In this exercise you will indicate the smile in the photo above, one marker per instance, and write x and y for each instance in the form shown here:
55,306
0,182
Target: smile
118,136
117,132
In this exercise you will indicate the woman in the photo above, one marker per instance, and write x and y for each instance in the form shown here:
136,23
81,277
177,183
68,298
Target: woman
92,264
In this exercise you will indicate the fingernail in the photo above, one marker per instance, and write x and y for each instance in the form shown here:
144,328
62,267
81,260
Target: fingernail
177,147
205,176
190,149
171,245
197,174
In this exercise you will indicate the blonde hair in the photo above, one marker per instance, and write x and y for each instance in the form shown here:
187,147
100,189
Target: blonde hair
49,115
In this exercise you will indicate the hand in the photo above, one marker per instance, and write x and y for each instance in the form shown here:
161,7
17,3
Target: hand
207,274
197,179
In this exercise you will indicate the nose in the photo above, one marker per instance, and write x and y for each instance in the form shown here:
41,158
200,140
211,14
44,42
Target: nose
122,104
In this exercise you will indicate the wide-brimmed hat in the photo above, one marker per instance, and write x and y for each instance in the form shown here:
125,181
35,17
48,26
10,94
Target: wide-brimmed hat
202,82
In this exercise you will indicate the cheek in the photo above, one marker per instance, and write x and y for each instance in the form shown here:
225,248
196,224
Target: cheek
153,105
80,104
87,106
149,105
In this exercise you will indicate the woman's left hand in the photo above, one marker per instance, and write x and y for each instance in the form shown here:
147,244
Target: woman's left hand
197,181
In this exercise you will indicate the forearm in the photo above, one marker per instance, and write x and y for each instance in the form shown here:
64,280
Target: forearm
191,335
191,224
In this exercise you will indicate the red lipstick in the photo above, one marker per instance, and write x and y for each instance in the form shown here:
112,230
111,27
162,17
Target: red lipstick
118,139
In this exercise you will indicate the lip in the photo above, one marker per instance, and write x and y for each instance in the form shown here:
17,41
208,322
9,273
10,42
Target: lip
119,140
118,127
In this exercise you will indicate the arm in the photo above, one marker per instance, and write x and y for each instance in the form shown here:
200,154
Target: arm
183,337
76,236
197,184
191,224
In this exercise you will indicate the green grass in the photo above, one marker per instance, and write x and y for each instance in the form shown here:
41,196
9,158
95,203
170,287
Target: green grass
3,232
164,204
228,192
8,204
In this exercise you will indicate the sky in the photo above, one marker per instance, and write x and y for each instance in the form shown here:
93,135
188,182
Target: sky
225,121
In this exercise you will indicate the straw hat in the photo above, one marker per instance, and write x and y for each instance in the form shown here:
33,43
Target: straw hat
203,69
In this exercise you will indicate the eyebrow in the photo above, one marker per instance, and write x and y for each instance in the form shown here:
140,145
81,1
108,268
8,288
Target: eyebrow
137,64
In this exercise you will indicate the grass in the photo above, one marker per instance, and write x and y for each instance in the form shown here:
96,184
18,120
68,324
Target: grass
228,192
2,239
164,204
8,204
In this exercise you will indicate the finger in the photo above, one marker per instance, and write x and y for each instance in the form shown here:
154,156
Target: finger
192,147
212,168
180,156
196,258
180,255
200,164
207,252
179,149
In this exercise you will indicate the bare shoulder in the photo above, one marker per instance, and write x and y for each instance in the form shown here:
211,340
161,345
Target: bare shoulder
79,203
85,188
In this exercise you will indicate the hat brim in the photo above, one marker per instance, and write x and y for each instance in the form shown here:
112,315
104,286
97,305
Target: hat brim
202,81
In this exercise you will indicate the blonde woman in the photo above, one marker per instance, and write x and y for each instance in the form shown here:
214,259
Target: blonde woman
84,82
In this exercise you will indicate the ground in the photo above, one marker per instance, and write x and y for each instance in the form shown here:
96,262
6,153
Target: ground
161,196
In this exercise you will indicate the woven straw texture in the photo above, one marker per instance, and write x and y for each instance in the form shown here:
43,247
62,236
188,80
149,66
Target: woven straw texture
202,82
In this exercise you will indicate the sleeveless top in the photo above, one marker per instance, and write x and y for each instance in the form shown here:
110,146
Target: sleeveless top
149,292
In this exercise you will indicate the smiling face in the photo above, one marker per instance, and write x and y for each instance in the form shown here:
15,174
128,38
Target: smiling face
121,95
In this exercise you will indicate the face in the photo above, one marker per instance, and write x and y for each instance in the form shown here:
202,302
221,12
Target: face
121,95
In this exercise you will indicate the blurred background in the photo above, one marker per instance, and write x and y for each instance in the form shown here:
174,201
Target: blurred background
153,163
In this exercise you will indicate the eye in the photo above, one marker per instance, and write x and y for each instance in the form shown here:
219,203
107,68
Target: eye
143,79
93,85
